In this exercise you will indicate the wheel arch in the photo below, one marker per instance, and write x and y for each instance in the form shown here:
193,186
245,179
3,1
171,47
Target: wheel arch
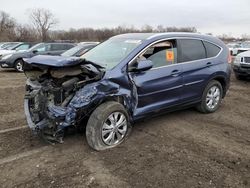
119,99
223,82
15,61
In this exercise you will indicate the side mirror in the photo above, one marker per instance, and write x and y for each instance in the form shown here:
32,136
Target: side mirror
34,51
142,65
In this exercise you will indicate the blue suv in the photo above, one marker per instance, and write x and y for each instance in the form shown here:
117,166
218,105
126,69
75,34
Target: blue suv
124,79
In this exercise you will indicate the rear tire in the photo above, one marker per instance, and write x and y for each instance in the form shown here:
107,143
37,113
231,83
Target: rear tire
108,126
211,97
19,65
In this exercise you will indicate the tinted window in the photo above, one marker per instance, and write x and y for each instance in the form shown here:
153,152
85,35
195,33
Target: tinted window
211,49
57,47
191,50
161,54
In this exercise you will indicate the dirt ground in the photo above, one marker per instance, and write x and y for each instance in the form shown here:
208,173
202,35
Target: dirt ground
179,149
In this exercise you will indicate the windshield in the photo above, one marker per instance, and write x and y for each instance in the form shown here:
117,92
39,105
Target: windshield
233,45
10,46
72,51
22,47
110,53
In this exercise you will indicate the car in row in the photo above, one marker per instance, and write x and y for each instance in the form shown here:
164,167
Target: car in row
80,49
241,65
238,47
21,46
15,60
4,45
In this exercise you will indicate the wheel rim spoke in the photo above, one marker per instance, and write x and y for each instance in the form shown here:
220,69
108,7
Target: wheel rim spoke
122,131
118,135
108,139
107,127
121,121
105,132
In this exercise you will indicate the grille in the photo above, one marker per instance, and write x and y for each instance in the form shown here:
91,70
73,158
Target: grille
247,59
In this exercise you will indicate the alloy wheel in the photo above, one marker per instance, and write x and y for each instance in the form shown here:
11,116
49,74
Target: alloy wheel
114,128
213,97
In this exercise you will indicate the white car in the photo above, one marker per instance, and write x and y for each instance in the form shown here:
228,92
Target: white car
241,65
233,47
12,49
4,45
244,46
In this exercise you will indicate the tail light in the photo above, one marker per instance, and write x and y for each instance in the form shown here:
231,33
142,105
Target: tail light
229,59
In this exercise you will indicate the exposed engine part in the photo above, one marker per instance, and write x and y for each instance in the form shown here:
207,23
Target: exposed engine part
49,92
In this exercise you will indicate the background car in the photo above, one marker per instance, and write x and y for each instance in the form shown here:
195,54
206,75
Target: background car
22,46
15,60
4,45
241,65
233,47
244,46
79,50
89,42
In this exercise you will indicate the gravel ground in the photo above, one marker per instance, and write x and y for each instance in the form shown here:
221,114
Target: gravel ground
179,149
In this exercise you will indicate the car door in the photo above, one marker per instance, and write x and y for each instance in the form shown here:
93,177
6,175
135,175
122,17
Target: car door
160,87
196,68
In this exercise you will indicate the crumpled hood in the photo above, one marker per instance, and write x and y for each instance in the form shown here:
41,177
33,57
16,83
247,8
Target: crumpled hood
54,61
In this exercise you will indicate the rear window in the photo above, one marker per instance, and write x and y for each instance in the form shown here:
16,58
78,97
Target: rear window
58,47
68,46
211,49
191,49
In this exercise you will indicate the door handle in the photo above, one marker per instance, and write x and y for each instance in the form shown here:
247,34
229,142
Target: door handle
175,72
209,64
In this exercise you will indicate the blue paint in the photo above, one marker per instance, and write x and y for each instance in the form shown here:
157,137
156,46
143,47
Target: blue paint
146,92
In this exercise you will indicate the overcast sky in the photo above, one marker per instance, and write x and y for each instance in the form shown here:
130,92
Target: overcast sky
215,16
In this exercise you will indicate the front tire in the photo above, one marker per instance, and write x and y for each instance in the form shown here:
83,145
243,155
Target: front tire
19,65
211,98
107,126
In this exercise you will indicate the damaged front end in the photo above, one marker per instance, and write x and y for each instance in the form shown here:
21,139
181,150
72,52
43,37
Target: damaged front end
60,93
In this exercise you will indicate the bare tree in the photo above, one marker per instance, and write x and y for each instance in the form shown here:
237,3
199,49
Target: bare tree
7,26
43,20
26,33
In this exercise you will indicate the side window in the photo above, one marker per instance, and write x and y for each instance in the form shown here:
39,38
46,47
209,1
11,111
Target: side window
211,49
161,54
42,48
191,49
56,47
47,47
